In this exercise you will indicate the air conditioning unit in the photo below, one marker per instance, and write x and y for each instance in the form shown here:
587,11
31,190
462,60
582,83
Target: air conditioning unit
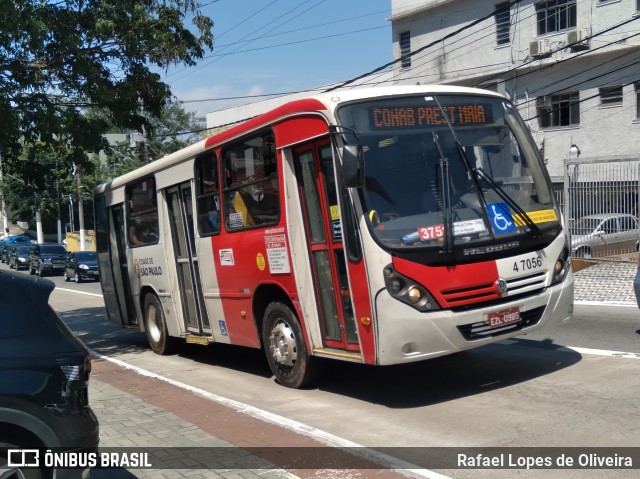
543,102
578,39
539,48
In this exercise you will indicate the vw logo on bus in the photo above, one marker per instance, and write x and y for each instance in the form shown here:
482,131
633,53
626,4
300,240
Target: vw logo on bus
501,287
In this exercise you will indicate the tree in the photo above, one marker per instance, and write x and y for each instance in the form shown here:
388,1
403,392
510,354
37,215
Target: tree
174,129
60,58
42,179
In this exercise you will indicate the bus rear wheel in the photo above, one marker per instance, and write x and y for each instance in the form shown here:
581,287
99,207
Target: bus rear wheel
285,347
155,326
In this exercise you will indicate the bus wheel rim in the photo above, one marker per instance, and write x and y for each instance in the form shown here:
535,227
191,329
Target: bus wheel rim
154,325
284,346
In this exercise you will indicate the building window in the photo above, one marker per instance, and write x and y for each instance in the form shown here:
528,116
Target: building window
559,110
637,88
503,23
555,15
611,95
405,49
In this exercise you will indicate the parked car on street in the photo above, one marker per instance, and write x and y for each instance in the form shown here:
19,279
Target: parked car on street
44,374
20,255
7,243
610,233
81,265
47,259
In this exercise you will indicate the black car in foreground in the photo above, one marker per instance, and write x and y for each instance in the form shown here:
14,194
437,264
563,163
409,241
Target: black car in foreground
44,374
20,255
47,259
81,265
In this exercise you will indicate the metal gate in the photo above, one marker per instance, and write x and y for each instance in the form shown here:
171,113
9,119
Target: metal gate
601,207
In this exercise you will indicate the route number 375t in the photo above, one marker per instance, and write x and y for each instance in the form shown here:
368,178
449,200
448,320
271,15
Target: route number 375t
527,264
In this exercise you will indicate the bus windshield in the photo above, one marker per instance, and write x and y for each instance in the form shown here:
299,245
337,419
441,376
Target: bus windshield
448,172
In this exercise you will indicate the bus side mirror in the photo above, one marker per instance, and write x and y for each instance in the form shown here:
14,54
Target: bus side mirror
353,166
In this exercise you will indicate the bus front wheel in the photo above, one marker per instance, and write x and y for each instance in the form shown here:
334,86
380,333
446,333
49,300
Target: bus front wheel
285,347
156,327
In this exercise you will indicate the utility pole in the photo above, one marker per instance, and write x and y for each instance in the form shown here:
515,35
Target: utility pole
58,200
145,146
81,211
39,234
4,205
72,221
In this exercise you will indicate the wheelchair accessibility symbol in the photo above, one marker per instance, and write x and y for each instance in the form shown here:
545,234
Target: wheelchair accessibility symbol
501,219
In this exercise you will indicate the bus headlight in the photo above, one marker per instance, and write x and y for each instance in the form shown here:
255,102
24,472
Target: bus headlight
408,291
563,263
414,295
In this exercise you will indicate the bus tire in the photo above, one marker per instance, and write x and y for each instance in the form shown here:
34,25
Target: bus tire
285,347
155,326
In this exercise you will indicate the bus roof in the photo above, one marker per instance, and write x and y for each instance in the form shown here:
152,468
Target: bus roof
322,103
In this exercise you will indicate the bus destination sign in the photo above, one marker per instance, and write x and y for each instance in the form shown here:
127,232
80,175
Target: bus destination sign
382,118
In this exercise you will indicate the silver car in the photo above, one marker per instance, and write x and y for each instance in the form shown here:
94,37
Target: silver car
604,234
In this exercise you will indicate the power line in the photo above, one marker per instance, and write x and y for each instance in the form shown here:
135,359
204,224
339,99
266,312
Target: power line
259,37
421,49
633,19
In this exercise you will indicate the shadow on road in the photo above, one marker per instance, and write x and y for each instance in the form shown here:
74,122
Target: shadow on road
99,334
449,377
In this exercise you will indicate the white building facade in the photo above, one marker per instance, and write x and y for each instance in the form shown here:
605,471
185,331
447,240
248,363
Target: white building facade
571,66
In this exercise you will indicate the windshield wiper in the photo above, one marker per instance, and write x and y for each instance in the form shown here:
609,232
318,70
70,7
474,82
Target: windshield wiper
446,196
478,173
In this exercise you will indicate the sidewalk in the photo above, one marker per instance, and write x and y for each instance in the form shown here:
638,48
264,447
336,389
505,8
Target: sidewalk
128,421
606,282
137,411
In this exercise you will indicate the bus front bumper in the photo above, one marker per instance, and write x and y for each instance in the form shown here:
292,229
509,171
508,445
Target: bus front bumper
404,334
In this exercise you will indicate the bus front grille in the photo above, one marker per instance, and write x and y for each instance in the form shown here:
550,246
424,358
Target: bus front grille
488,292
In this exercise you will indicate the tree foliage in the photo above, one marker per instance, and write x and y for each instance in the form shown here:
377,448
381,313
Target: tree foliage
174,129
61,58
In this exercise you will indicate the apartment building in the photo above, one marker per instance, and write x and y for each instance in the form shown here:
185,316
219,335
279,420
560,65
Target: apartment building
571,66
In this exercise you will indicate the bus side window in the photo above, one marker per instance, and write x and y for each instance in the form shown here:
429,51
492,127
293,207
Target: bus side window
251,194
142,212
207,194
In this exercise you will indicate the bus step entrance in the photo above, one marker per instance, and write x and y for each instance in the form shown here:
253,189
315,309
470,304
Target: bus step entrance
201,340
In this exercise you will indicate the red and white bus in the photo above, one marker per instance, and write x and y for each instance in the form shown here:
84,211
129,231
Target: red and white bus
379,226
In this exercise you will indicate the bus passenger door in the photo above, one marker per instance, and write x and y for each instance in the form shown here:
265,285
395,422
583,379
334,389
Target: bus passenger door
121,282
180,209
314,170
